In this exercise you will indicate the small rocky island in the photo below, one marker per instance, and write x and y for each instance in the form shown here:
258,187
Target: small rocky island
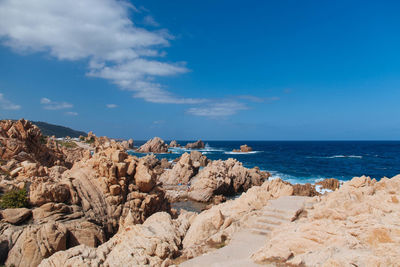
243,149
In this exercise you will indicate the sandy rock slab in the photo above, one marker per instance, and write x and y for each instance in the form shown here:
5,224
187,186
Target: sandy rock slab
149,244
357,225
16,216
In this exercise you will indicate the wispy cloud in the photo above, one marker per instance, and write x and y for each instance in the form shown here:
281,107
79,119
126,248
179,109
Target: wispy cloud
7,104
71,113
218,109
99,31
51,105
111,106
259,99
149,20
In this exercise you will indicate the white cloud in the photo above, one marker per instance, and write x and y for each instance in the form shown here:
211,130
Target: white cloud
111,106
51,105
149,20
99,31
258,99
216,110
71,113
7,104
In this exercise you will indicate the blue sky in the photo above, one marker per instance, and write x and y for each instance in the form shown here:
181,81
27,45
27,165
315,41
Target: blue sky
216,70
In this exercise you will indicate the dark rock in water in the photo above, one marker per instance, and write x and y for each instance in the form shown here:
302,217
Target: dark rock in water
196,145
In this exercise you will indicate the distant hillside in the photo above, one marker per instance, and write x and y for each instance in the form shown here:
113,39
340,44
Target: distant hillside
57,130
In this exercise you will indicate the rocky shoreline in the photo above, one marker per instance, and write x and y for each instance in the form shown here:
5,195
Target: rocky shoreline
88,202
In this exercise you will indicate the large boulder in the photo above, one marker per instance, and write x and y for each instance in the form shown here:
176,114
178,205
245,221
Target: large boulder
226,178
42,192
149,244
196,145
145,177
187,167
36,243
16,216
155,145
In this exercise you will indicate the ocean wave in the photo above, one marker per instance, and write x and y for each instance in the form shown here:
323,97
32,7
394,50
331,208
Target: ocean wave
338,156
205,150
241,153
295,179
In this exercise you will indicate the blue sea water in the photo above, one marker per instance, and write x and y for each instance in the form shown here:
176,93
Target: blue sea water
308,161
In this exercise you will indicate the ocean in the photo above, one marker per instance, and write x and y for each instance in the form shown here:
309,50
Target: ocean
307,161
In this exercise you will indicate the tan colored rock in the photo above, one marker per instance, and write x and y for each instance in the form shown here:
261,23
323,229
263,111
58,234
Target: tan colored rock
173,143
118,156
84,233
224,177
16,216
22,136
357,224
42,192
155,145
243,149
36,243
307,190
145,178
218,223
135,245
331,184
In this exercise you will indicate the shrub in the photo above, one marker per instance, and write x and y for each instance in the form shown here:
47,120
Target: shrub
90,141
14,199
67,144
43,139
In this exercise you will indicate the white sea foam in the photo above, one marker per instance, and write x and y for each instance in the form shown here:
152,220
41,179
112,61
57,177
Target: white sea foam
337,156
241,153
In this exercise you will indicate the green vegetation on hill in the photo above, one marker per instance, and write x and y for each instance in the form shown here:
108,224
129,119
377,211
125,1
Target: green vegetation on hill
57,130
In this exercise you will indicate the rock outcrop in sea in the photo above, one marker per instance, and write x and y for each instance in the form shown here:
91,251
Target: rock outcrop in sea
243,149
155,145
196,145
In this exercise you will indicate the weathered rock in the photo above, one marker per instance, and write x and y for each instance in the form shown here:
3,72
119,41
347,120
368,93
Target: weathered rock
331,184
196,145
356,224
135,245
224,177
84,233
243,149
16,216
155,145
145,178
173,143
22,136
218,223
187,167
42,192
36,243
307,190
